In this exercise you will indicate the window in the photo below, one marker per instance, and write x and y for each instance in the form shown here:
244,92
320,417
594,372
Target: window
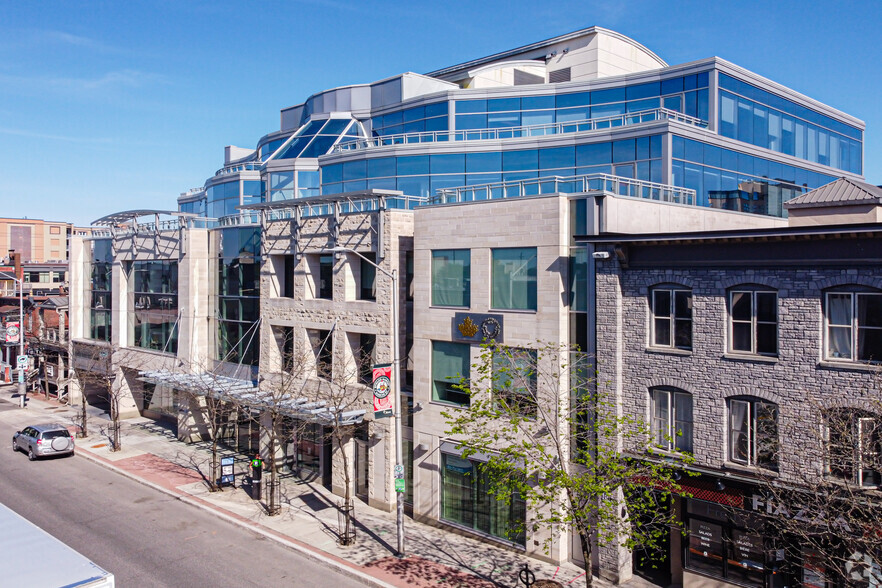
284,337
326,277
287,279
514,380
466,500
672,420
754,326
323,348
154,298
753,433
672,318
450,363
854,448
367,277
451,276
365,357
854,326
514,279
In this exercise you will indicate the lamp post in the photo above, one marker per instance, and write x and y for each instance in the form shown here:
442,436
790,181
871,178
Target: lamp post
22,390
396,385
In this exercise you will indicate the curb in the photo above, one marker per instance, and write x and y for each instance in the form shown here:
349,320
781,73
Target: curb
309,554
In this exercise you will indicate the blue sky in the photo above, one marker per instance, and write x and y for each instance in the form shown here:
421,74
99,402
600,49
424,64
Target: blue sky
108,106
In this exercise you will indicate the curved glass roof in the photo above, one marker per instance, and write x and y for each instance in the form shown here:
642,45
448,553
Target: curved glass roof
316,138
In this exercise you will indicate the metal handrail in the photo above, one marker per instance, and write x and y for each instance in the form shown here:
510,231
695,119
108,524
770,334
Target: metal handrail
590,124
239,167
605,183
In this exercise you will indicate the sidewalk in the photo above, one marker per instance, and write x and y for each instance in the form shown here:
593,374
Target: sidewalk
307,522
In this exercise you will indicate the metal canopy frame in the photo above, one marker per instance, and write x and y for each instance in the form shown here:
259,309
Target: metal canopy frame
244,392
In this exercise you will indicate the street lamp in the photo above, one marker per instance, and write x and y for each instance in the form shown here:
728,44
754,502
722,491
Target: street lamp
22,390
396,385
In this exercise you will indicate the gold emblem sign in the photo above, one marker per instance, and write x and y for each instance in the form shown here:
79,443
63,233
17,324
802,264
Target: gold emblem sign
468,328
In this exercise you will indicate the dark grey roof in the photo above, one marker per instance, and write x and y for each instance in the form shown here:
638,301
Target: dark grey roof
841,192
54,302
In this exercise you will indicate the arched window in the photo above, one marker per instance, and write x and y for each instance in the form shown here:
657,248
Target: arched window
854,446
753,432
672,419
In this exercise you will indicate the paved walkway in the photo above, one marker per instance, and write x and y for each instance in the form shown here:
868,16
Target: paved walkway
308,519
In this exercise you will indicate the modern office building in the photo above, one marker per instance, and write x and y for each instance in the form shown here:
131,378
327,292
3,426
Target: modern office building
470,183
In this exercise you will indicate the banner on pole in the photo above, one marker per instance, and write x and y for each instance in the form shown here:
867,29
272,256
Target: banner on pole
383,400
12,332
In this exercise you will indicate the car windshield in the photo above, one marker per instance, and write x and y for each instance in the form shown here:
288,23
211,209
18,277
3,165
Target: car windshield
55,434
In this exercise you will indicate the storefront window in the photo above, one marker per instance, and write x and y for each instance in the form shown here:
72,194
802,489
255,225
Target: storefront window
705,548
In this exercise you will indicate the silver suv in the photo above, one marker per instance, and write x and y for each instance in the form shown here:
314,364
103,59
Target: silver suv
43,440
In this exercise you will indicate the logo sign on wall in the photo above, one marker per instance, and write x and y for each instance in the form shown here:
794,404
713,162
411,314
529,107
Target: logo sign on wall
471,327
12,332
383,400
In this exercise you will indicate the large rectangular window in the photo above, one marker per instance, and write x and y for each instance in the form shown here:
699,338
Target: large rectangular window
753,433
466,500
451,277
672,420
154,299
450,366
323,349
513,277
671,318
367,277
101,296
514,381
854,326
754,327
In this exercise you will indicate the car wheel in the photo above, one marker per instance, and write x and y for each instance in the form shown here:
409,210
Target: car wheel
31,455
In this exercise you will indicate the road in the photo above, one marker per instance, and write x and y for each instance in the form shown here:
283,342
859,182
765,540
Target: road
142,536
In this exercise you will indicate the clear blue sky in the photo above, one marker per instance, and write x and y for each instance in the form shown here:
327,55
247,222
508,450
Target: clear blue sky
110,106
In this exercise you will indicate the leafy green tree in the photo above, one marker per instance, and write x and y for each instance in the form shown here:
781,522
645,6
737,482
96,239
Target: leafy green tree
560,443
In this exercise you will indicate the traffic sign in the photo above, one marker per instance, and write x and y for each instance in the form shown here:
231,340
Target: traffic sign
21,362
399,485
398,470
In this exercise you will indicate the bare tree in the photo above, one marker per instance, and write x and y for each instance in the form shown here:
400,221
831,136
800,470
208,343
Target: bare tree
557,444
824,506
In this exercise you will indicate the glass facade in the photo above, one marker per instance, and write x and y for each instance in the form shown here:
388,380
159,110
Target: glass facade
422,175
688,95
101,295
466,500
222,199
317,137
419,119
727,179
154,298
761,118
238,295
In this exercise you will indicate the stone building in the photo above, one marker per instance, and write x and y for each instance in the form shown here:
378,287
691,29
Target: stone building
738,346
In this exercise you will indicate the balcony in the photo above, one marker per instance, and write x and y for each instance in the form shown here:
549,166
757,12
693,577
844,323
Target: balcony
579,126
239,167
607,184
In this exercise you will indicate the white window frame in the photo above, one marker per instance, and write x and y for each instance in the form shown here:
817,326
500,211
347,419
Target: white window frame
671,317
751,418
666,440
857,438
754,322
854,327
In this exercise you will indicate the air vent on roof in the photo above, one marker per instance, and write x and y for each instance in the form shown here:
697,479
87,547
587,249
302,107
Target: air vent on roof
558,76
522,78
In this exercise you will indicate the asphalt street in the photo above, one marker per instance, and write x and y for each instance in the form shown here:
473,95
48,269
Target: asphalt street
144,537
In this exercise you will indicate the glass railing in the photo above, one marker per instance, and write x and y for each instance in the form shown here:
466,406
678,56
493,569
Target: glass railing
239,167
605,183
239,220
592,124
347,206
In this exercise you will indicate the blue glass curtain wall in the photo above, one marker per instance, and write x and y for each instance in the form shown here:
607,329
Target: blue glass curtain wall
430,117
238,295
222,199
422,175
760,118
688,95
736,181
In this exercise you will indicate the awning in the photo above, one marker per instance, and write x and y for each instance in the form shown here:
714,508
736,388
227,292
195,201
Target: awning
246,393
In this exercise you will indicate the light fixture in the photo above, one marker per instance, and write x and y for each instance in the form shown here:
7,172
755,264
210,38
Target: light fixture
677,476
720,486
422,447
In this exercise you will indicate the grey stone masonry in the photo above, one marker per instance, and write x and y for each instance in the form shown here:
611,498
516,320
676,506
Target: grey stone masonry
799,378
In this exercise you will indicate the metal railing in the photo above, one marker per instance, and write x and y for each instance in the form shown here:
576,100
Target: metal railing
239,220
559,128
239,167
605,183
353,206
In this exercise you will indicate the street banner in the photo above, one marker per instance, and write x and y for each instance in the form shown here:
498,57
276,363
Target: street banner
12,332
383,401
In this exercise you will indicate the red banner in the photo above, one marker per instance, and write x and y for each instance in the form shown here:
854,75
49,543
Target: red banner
383,400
